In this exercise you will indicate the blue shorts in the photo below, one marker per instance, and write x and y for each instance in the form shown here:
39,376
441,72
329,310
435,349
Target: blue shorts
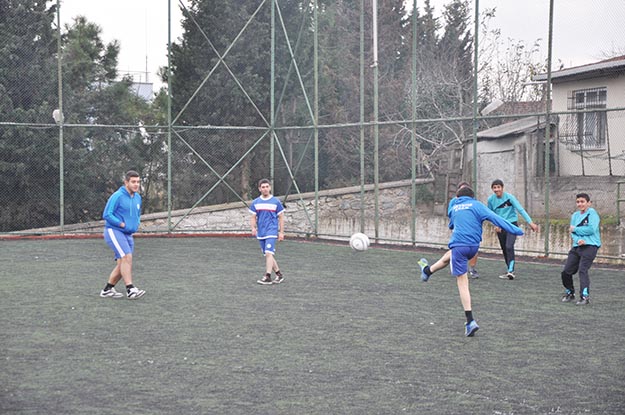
121,243
460,256
268,245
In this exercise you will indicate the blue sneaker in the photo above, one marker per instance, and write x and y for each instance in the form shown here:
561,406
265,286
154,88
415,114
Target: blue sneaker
470,328
423,263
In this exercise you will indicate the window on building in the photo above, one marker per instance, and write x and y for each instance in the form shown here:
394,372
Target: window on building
586,130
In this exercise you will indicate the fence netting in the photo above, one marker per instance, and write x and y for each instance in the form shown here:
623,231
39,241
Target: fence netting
304,94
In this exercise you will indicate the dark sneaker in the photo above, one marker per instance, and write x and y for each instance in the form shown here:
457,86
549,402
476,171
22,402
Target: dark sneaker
568,297
423,263
135,293
112,293
278,279
583,301
507,276
265,280
473,273
470,328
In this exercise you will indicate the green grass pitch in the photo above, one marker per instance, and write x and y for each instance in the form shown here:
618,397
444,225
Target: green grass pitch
347,333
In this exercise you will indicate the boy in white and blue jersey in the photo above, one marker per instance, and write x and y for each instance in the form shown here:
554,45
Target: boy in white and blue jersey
506,205
584,228
466,216
267,224
122,216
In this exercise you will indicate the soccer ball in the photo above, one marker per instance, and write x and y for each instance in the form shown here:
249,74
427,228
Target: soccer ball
359,242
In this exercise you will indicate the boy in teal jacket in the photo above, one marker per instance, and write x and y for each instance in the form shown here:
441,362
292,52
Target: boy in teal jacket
507,206
584,230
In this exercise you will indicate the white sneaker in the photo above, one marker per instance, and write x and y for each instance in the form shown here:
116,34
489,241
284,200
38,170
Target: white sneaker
112,293
135,293
507,276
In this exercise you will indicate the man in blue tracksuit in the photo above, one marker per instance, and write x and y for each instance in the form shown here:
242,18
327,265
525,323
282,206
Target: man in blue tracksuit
584,230
122,216
465,219
506,205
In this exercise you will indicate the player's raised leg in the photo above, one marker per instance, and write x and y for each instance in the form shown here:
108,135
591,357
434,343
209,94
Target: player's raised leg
427,270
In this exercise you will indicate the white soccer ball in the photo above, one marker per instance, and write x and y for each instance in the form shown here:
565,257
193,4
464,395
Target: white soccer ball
359,242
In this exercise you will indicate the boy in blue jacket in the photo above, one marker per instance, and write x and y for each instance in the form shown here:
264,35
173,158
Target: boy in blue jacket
584,228
122,216
465,219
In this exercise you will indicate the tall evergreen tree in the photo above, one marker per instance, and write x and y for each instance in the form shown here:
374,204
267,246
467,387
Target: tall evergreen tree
28,157
96,157
93,157
236,93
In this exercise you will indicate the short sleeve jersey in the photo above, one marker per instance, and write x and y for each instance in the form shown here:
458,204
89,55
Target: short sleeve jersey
267,211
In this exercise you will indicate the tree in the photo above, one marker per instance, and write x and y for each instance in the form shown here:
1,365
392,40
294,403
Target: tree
237,93
444,74
507,67
28,157
340,87
96,157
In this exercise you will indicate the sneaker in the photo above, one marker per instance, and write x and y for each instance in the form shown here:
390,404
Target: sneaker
423,263
583,301
473,273
135,293
568,297
278,279
112,293
470,328
507,276
265,280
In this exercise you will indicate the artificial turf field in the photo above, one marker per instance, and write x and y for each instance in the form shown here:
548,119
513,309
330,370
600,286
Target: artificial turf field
346,333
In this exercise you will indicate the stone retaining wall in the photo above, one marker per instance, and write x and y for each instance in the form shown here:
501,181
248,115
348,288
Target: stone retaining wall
339,217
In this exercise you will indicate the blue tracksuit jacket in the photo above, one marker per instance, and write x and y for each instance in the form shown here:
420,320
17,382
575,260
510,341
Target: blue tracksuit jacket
465,218
121,207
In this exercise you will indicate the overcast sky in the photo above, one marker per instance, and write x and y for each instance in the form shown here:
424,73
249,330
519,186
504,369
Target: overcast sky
584,30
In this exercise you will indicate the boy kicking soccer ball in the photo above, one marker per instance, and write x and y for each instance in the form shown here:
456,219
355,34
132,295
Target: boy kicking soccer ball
465,219
267,224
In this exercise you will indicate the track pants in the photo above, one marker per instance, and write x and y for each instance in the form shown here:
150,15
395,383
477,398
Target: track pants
579,260
506,242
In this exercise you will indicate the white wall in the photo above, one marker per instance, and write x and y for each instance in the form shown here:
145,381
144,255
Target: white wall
596,163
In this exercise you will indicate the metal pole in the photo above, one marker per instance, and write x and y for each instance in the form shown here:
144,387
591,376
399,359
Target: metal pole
376,127
272,94
475,68
607,140
618,202
316,111
169,126
362,116
548,128
413,141
62,120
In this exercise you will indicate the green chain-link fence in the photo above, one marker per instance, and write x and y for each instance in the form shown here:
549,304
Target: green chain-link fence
305,94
